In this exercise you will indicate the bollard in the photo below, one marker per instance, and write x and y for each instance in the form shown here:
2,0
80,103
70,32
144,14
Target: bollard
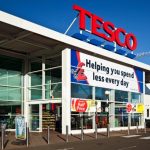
67,139
48,135
108,130
137,128
82,138
2,137
144,127
95,131
128,129
27,136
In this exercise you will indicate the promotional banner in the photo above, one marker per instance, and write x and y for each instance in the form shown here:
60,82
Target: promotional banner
130,108
20,126
135,108
81,105
140,108
87,69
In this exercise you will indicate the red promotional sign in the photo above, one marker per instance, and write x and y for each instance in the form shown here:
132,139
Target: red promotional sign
129,107
81,105
111,33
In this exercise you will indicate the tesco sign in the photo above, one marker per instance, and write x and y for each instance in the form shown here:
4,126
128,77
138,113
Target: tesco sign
112,33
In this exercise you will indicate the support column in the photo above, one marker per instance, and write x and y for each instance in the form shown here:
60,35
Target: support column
112,108
66,90
94,116
43,93
43,77
129,114
26,91
144,115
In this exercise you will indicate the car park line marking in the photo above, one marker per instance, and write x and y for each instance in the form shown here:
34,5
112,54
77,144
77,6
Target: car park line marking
145,138
130,136
127,148
66,148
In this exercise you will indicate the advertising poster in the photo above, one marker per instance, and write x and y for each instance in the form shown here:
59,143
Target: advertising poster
81,105
20,126
90,70
139,108
130,108
135,108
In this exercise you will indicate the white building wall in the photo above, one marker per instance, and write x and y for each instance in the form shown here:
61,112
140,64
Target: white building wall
66,90
147,101
147,106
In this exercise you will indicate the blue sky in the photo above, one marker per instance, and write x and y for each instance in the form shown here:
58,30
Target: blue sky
132,15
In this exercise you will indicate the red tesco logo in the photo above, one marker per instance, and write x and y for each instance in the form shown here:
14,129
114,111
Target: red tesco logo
97,23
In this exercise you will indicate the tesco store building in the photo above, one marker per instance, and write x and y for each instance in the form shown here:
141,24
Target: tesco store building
54,79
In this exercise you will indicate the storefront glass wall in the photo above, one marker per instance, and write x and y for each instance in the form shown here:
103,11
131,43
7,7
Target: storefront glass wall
84,92
120,99
121,117
10,90
45,84
136,117
52,83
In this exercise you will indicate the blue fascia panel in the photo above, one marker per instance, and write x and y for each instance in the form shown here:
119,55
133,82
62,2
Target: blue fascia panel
80,36
95,42
130,55
120,51
109,47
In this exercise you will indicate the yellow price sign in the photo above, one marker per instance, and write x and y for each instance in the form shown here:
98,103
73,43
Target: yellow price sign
139,108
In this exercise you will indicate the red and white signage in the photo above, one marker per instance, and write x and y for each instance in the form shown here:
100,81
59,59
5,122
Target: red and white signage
82,105
129,107
112,34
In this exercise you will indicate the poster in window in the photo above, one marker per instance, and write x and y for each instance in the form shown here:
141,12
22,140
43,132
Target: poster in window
20,126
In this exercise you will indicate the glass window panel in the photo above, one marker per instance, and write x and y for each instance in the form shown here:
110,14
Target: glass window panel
135,97
121,116
16,109
10,63
3,77
36,66
53,90
48,77
100,93
3,93
81,91
76,121
53,76
14,81
36,78
14,93
121,96
36,93
135,118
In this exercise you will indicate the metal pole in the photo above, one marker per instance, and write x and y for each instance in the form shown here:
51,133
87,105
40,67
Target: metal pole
108,130
48,135
67,139
128,129
95,130
71,24
82,128
27,135
2,137
144,127
137,128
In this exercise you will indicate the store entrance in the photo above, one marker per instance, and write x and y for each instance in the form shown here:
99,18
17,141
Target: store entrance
51,116
44,115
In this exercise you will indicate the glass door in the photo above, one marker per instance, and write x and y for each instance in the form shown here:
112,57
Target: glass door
34,117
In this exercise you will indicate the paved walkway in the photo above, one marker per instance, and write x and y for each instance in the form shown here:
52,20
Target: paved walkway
39,139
